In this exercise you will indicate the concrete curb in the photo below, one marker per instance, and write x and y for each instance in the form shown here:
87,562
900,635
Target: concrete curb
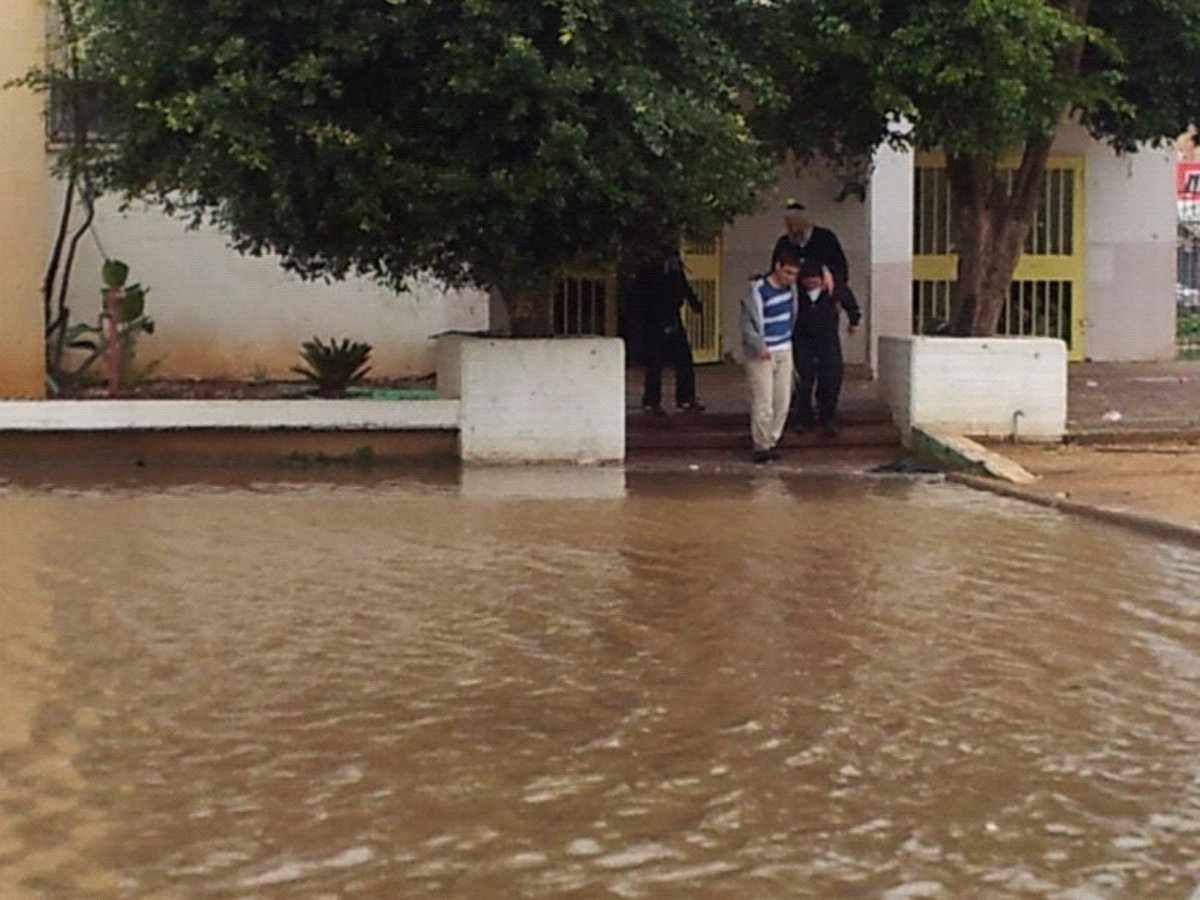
955,452
160,415
1161,528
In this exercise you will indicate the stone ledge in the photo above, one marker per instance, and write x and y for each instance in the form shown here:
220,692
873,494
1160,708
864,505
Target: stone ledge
145,415
956,452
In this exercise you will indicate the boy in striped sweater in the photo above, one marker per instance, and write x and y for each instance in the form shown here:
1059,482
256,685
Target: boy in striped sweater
768,315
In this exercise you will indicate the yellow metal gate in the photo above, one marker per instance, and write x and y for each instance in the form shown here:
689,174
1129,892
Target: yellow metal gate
702,264
1046,299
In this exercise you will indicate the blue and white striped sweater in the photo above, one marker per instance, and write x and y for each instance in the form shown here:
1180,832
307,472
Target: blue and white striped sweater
777,315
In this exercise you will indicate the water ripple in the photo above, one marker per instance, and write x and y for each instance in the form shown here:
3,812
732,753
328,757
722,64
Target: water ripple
707,688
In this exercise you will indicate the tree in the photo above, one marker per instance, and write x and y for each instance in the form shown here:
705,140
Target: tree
487,142
71,84
988,82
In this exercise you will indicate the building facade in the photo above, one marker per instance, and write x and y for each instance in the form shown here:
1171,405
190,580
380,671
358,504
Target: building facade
1099,270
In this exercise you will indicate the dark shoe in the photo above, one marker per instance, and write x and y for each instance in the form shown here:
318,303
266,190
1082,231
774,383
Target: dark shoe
802,427
829,429
761,456
691,407
775,453
651,409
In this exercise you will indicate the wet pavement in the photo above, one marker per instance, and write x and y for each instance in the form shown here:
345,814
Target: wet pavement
1117,397
657,685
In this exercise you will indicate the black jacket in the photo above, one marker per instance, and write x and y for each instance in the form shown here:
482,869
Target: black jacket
658,293
820,318
823,246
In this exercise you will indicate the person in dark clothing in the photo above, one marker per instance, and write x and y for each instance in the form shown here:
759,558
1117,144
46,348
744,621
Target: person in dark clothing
659,291
817,349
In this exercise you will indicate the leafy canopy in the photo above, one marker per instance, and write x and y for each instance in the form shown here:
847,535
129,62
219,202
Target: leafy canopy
976,78
485,141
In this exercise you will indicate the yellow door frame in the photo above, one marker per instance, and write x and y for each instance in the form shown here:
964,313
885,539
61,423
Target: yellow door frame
702,265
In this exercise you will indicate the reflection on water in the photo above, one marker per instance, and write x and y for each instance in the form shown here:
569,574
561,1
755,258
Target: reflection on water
683,686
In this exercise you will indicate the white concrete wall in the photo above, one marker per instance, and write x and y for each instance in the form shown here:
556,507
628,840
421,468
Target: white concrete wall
982,387
258,415
542,400
890,206
893,373
747,245
220,314
1130,254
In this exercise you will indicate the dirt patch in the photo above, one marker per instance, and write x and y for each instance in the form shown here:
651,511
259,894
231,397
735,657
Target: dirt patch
234,389
1160,480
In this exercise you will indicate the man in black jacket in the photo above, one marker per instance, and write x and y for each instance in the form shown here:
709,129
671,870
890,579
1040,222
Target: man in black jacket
817,349
659,290
811,241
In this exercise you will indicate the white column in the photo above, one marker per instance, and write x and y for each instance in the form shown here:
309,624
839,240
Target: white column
890,238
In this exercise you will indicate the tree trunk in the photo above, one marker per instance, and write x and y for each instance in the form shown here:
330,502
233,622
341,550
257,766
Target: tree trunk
529,310
990,224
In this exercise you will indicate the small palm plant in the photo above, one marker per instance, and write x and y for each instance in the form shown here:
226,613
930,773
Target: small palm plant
335,366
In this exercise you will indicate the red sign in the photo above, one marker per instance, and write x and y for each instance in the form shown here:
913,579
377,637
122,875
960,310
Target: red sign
1187,180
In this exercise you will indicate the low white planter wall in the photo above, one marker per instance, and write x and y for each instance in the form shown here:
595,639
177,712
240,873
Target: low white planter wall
158,415
996,387
540,399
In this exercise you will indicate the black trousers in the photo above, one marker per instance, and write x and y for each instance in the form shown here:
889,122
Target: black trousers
668,347
818,362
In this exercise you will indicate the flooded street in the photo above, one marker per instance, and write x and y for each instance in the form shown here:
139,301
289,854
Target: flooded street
660,685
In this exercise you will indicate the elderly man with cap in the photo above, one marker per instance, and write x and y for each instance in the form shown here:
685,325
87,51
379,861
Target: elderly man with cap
821,351
812,242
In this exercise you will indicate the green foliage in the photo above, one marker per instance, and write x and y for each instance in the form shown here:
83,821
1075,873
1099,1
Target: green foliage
496,142
976,78
491,143
985,81
131,322
335,366
1187,333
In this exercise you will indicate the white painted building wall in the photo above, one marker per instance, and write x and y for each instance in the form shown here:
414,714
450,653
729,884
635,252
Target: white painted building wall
1129,206
220,314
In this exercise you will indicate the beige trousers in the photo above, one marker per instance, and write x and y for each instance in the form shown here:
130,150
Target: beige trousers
770,396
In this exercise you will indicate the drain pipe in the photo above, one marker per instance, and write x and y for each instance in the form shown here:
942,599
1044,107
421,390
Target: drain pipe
1016,420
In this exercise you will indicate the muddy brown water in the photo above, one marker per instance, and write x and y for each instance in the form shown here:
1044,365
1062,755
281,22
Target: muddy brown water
642,685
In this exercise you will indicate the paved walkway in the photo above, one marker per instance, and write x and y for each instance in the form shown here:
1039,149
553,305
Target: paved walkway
1120,397
1102,397
722,388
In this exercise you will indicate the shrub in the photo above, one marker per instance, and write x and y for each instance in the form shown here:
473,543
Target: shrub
335,366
